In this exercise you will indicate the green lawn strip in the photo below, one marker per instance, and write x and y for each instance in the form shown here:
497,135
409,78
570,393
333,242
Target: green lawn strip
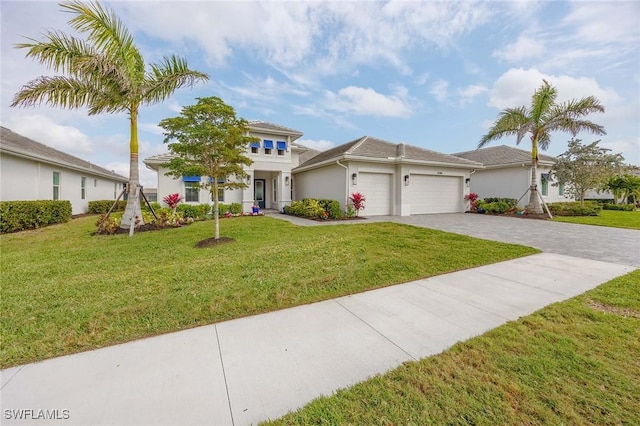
574,362
612,218
65,291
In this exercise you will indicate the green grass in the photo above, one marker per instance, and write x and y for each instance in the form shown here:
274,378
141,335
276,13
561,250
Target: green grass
65,291
573,363
613,218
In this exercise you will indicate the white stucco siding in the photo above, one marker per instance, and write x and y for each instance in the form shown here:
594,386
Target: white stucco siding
25,179
435,194
326,182
502,183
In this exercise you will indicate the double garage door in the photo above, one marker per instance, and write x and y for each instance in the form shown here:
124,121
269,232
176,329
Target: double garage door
425,193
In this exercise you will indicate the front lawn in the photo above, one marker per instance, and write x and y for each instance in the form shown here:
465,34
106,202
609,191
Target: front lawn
66,291
572,363
613,218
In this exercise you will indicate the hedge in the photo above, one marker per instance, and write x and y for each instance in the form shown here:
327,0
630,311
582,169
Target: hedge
574,209
511,202
623,207
315,209
20,215
103,206
195,211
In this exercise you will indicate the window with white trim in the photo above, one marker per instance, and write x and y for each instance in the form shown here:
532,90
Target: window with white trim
191,192
56,185
83,187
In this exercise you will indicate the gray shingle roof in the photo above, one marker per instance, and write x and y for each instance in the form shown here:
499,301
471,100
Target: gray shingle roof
502,155
369,147
265,126
11,142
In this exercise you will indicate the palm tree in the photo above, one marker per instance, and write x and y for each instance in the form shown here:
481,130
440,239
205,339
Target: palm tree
104,73
539,120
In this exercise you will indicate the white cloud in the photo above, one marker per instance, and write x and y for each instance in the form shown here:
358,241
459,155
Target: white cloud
523,48
470,92
439,90
151,128
319,144
44,130
603,23
367,101
516,86
630,148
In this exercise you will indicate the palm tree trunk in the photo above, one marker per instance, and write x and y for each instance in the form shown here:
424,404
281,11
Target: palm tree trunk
534,205
132,211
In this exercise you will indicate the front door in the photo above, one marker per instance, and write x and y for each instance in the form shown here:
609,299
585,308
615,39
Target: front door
258,189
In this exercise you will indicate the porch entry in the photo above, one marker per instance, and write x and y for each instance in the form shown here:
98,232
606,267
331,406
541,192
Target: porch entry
259,192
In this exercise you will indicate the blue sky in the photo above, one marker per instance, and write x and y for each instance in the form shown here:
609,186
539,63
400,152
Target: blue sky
431,74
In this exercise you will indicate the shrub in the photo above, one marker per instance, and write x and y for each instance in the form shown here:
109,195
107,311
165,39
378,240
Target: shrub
350,212
222,208
235,208
20,215
172,200
154,205
511,202
194,211
358,201
107,225
313,209
103,206
496,207
332,207
622,207
574,209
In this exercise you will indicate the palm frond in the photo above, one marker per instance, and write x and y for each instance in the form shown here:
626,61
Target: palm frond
580,108
542,101
59,51
511,121
107,33
65,92
167,76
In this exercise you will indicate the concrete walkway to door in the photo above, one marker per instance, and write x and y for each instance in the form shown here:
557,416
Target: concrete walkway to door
614,245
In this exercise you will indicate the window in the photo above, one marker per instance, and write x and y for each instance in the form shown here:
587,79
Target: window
115,191
561,189
220,190
545,184
268,147
83,187
255,146
191,192
95,183
56,185
275,189
282,147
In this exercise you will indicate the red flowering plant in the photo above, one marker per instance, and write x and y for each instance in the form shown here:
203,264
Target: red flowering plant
472,197
358,201
172,200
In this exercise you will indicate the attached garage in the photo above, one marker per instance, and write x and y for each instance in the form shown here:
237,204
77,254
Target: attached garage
377,188
435,194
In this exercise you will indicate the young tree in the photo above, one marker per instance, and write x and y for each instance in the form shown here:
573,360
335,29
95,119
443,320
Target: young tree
541,118
209,141
104,73
585,167
625,187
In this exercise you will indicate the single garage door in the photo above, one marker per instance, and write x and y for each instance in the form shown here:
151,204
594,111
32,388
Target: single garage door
376,187
435,194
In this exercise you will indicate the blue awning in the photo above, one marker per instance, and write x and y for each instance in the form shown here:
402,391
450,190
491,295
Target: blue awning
191,178
268,144
255,144
282,145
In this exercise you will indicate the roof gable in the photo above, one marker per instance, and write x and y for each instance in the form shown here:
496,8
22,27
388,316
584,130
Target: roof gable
15,143
502,155
266,127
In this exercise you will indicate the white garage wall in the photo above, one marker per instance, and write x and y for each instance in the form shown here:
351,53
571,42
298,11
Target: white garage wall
326,182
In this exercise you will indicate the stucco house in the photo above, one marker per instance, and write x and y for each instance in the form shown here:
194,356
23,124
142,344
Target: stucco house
507,174
396,179
30,170
269,181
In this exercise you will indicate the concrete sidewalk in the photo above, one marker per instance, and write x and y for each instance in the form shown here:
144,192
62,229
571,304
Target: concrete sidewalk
243,371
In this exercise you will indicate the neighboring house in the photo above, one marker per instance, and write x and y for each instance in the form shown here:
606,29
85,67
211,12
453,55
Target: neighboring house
30,170
396,179
269,180
507,174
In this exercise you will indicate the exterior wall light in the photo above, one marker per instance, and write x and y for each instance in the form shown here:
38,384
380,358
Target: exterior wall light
354,178
286,180
467,182
406,180
248,179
